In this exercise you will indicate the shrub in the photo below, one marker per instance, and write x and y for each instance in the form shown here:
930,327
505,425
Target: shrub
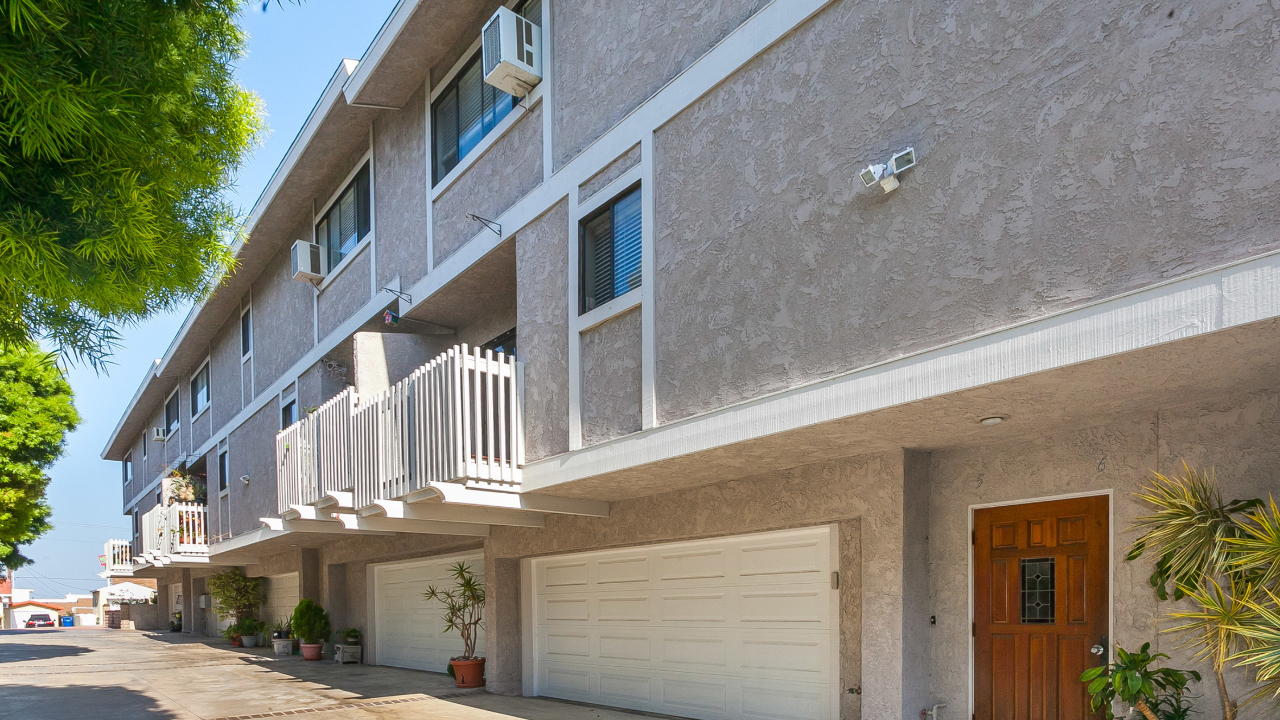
311,622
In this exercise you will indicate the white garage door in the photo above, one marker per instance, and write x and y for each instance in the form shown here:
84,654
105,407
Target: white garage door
732,627
408,628
282,598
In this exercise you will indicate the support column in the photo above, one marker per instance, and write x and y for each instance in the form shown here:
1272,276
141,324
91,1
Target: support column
335,596
916,602
502,639
188,603
309,576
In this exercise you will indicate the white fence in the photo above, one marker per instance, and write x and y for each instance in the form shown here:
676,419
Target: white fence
458,417
118,555
177,529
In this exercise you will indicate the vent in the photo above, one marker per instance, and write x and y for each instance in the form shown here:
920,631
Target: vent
511,53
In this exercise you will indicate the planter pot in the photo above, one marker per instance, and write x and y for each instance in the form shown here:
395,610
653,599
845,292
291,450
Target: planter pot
282,646
350,642
236,641
249,640
312,652
468,673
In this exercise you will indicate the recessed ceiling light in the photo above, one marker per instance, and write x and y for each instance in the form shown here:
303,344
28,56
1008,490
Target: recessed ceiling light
989,421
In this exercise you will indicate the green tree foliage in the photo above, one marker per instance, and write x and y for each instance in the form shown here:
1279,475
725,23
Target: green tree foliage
311,622
1133,680
121,125
463,607
235,595
36,414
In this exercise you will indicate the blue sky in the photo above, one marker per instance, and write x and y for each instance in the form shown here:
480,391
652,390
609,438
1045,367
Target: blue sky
293,51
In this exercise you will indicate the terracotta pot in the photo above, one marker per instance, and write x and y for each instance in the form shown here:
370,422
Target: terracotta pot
311,652
468,673
236,642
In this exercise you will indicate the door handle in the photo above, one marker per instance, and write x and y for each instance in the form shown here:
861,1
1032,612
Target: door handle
1101,648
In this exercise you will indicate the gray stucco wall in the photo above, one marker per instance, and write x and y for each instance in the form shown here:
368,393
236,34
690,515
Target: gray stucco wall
345,293
400,191
507,171
1234,435
607,59
252,452
611,378
611,172
1140,148
224,372
542,330
282,317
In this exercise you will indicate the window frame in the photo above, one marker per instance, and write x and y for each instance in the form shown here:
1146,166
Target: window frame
205,368
591,213
441,182
127,469
366,161
224,467
145,440
246,333
172,427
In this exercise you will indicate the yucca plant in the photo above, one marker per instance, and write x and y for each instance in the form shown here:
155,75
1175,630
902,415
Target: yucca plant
1225,557
463,607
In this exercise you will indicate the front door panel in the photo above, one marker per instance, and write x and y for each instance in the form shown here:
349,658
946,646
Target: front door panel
1040,606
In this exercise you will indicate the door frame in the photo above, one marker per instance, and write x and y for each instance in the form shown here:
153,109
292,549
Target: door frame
529,600
371,570
1111,568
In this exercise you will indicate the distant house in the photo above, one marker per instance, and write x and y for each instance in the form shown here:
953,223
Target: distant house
20,612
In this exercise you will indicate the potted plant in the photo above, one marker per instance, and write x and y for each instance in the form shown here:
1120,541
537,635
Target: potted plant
463,611
311,624
1132,680
350,636
237,596
281,642
175,625
249,629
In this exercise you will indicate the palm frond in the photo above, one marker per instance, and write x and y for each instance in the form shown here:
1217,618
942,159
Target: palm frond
1213,628
1257,550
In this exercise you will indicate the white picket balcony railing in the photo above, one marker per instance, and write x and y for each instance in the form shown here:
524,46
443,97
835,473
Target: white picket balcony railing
457,418
118,556
180,529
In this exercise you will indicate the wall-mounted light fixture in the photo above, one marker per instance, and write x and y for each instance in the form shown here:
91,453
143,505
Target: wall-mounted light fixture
244,479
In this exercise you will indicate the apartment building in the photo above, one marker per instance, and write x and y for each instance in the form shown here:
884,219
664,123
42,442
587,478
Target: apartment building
730,433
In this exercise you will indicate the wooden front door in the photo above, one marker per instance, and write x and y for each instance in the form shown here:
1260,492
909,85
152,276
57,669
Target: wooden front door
1040,607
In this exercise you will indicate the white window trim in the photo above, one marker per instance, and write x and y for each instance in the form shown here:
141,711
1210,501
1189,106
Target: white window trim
223,446
248,310
164,416
137,522
348,259
524,106
287,395
130,472
316,217
208,387
145,440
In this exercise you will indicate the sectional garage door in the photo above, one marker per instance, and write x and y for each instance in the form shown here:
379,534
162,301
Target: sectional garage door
282,598
742,626
407,626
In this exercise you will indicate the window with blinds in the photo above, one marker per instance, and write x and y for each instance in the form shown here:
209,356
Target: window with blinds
468,108
610,251
347,220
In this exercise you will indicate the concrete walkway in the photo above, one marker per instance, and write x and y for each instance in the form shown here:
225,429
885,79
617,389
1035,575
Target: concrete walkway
85,673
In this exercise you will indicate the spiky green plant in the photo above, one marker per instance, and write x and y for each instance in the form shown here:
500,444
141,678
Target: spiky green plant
1224,556
463,607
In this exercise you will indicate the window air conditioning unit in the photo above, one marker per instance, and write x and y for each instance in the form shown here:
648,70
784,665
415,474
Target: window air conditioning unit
512,48
305,258
158,433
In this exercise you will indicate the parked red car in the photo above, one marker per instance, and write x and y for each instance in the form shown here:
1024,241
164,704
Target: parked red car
40,620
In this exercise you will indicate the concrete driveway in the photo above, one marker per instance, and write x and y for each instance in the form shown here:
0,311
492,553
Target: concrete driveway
86,673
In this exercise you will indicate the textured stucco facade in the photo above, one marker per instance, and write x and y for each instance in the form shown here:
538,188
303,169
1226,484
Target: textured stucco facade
494,181
630,54
400,191
614,170
611,378
345,293
282,319
542,327
1043,182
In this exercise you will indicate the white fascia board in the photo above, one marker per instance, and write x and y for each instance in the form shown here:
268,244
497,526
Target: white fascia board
1204,302
382,42
300,143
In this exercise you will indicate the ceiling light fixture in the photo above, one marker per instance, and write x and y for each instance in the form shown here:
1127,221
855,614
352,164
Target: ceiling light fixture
990,421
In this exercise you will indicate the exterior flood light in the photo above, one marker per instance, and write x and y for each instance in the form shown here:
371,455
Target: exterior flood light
887,175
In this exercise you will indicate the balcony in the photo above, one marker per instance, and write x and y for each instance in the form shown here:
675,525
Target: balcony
439,452
117,558
175,533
